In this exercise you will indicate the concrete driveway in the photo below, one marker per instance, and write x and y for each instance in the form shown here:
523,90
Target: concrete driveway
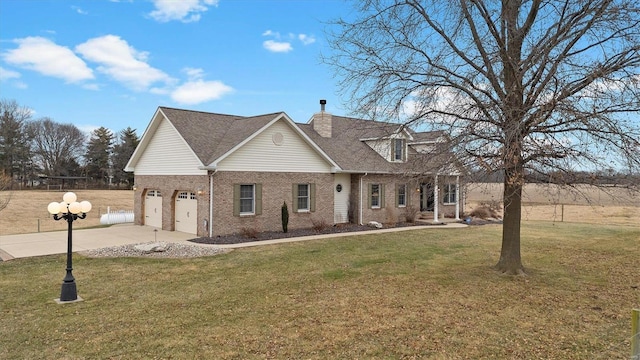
55,242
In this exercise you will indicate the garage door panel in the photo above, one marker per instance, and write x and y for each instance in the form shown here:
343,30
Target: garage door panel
186,212
153,208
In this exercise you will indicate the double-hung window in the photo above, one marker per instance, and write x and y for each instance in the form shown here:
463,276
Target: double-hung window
450,196
247,199
402,195
303,197
398,149
375,196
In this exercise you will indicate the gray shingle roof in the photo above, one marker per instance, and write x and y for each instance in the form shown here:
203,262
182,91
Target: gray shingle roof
211,135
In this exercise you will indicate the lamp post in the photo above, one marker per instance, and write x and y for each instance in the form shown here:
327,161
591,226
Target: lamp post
69,209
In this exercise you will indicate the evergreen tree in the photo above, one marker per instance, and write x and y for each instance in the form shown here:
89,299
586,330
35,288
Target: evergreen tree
122,151
98,155
15,157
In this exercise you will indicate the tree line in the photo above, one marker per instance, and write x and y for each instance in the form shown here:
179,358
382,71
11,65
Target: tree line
35,149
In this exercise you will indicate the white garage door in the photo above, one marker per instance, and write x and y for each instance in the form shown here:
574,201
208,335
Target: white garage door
187,212
153,208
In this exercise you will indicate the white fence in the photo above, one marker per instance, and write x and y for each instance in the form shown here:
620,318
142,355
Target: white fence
116,217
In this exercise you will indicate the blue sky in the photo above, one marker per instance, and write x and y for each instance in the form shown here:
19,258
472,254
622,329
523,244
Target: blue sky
112,63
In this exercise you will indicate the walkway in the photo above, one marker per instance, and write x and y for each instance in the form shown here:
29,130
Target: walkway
50,243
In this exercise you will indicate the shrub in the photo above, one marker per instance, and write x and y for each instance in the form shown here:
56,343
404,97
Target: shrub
487,210
391,216
411,214
285,217
319,225
249,232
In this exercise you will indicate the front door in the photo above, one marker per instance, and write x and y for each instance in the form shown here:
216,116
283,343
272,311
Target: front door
426,197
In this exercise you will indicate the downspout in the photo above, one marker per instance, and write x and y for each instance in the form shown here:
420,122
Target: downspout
211,202
457,197
361,204
435,199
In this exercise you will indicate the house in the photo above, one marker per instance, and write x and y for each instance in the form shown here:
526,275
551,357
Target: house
214,174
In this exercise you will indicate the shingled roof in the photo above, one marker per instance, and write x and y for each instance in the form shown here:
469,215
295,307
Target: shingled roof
347,148
212,135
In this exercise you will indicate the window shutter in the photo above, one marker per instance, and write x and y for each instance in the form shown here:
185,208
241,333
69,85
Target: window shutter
369,192
258,199
398,195
393,149
381,196
312,197
294,197
236,199
407,197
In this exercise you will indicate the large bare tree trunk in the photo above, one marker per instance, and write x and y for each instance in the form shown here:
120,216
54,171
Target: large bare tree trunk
510,261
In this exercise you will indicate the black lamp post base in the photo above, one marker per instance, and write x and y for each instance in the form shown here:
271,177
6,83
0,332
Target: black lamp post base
69,291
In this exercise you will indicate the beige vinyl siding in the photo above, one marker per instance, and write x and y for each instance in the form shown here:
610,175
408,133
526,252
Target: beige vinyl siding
341,199
168,154
270,152
382,147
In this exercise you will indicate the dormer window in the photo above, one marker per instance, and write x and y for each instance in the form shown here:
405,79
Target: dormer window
398,148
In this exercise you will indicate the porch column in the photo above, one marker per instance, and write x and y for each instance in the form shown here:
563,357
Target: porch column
457,197
435,199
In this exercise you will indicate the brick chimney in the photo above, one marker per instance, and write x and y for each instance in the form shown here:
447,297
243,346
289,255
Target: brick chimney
322,121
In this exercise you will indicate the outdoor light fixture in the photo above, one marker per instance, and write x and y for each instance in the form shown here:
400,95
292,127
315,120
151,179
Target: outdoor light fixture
69,209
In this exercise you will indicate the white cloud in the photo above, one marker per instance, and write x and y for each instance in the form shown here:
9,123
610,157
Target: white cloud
6,74
199,91
285,46
277,46
306,39
181,10
193,73
122,62
79,10
46,57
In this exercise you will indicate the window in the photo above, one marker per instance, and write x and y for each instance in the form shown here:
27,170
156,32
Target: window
398,150
303,197
402,195
450,194
247,199
376,196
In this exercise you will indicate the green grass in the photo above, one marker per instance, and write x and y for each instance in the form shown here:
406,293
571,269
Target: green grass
417,294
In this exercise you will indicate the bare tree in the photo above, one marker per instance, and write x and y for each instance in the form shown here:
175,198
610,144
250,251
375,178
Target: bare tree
57,147
522,87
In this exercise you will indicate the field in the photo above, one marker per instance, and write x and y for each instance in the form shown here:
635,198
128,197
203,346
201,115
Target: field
584,204
27,210
423,294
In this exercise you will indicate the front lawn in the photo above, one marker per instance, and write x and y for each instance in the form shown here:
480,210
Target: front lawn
412,294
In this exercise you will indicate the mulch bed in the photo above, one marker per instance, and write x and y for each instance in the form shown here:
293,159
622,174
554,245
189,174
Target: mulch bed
270,235
336,229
